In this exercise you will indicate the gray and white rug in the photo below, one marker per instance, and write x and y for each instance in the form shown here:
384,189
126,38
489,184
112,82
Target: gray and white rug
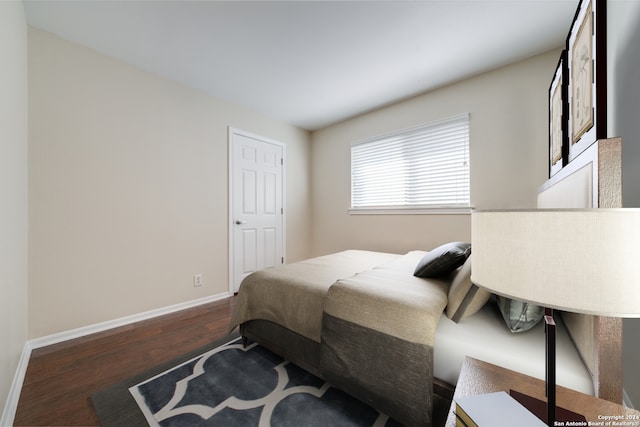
235,386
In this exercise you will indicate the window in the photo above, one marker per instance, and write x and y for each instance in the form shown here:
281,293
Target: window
425,167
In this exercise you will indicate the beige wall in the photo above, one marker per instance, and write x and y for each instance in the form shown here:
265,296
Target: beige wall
508,152
128,188
623,76
13,192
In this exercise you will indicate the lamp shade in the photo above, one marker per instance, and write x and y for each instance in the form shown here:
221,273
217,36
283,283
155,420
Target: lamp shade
579,260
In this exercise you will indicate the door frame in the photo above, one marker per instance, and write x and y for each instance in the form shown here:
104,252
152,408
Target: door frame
230,221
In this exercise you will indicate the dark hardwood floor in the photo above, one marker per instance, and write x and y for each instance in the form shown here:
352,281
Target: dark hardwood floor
60,378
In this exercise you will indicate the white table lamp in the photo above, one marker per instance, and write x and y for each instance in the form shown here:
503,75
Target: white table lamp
578,260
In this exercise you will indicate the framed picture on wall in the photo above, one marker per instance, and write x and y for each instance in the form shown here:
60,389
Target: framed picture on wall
587,91
558,121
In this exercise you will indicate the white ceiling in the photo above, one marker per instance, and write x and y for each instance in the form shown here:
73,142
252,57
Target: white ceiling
311,63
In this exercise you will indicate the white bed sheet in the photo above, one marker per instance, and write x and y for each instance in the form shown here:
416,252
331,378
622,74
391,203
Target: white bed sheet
485,336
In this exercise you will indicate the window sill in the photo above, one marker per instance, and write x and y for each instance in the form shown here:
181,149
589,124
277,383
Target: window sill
444,210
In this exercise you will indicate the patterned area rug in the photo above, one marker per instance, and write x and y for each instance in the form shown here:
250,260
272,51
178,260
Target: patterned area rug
235,386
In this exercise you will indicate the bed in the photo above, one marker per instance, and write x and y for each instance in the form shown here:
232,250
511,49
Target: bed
359,319
364,322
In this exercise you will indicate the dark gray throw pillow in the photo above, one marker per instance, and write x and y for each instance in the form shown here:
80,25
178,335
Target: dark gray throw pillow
443,260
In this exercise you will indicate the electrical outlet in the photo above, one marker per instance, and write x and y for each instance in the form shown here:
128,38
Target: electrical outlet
197,280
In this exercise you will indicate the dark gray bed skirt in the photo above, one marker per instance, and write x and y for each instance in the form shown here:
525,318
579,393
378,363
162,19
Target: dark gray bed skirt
292,346
386,372
380,378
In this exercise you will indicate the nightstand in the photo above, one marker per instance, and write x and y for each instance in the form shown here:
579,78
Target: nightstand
478,377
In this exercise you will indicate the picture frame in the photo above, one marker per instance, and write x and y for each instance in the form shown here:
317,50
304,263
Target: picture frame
587,80
558,117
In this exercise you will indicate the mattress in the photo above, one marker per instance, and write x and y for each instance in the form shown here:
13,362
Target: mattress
485,336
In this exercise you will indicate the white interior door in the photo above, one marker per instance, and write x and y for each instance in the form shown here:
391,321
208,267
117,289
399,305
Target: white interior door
256,205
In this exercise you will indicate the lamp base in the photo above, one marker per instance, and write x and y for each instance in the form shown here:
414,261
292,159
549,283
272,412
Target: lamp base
539,408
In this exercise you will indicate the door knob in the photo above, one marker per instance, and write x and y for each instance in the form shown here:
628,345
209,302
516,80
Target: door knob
240,222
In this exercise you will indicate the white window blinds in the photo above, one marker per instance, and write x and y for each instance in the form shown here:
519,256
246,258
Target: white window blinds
423,167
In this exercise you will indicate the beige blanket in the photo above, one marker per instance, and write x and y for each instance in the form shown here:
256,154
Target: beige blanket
389,299
292,295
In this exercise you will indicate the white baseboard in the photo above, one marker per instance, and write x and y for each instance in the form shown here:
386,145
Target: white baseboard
123,321
11,405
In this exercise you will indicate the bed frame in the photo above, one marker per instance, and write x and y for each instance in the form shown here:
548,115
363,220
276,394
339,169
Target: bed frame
593,180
